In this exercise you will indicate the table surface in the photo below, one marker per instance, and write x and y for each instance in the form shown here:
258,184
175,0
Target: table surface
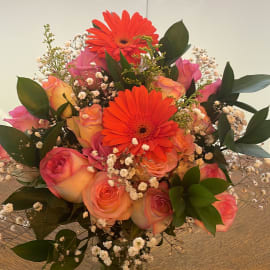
246,246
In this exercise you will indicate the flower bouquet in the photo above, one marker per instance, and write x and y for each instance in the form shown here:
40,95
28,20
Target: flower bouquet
121,135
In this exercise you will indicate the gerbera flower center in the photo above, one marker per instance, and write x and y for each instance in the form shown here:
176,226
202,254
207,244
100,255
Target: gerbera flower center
143,130
123,41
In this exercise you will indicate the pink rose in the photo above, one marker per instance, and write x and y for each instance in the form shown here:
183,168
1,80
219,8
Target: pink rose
211,171
227,208
55,90
159,169
208,90
87,124
82,68
3,154
184,143
187,71
23,120
65,172
169,88
97,153
154,211
106,202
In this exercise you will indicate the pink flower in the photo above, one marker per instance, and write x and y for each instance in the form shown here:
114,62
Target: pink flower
83,68
97,153
227,208
3,154
23,120
187,71
184,143
87,124
106,202
65,172
159,169
154,211
169,88
55,90
208,90
211,171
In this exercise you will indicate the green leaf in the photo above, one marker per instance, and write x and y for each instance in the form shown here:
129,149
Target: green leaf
35,251
178,220
251,150
178,203
175,42
61,109
218,156
215,185
210,217
18,146
229,140
192,88
174,73
245,107
257,120
223,127
114,69
124,63
227,82
70,241
51,138
199,196
175,180
192,176
251,83
33,97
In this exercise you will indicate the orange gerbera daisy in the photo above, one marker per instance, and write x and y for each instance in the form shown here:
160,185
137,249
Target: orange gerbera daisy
138,122
124,34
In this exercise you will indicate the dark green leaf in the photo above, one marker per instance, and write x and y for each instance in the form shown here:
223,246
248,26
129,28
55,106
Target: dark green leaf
251,83
114,69
70,241
190,210
174,73
124,63
215,185
18,146
223,127
229,140
257,120
245,106
62,266
170,230
200,196
192,176
218,156
51,138
178,220
178,203
229,180
33,97
61,109
227,82
251,150
35,251
192,88
174,42
210,217
175,180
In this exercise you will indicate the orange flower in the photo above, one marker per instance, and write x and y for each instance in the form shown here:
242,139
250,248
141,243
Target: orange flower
138,122
122,34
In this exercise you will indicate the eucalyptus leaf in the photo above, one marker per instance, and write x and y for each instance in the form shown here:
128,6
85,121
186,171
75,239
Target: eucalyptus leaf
223,127
227,82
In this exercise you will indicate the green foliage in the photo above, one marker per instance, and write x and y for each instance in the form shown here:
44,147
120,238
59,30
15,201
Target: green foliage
215,185
223,127
35,251
245,107
192,176
175,42
18,145
33,97
251,83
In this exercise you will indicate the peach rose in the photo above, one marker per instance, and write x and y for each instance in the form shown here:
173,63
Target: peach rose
55,90
88,123
212,171
159,169
169,88
227,208
154,211
204,123
208,90
187,71
23,120
106,202
184,143
65,172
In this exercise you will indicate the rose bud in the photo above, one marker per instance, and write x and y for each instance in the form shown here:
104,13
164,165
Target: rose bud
65,172
23,120
154,211
169,88
208,90
107,202
55,90
87,124
211,171
187,71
